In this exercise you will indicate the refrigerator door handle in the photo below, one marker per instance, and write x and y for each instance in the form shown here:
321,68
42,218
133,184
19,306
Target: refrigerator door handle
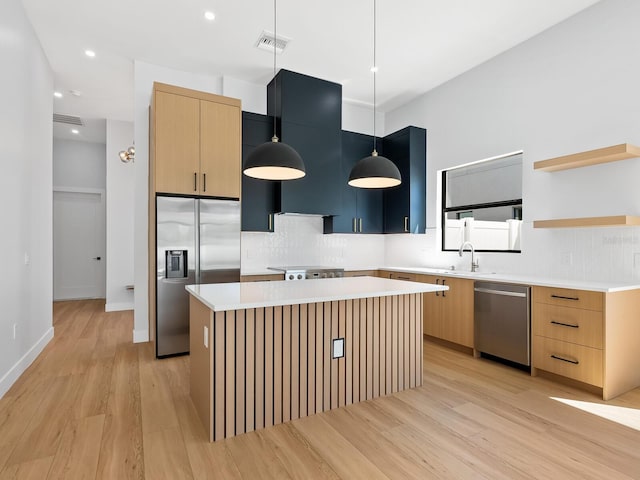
197,235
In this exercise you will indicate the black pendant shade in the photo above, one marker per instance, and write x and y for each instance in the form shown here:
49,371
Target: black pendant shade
374,172
274,161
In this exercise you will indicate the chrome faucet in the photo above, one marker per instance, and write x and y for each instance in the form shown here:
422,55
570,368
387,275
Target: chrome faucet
474,264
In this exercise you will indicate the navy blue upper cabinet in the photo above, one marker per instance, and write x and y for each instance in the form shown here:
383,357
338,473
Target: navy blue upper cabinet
309,112
306,100
361,209
258,200
405,205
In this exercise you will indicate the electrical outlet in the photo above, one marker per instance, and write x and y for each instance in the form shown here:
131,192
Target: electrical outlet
206,337
338,348
15,330
566,258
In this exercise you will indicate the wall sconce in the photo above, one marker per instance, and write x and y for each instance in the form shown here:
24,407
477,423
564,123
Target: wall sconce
128,155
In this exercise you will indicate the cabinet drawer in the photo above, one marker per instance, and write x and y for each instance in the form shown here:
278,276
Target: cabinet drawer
574,325
569,360
568,297
403,276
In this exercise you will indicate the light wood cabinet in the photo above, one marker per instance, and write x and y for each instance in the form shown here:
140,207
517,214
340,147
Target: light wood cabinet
269,277
360,273
446,315
591,337
195,143
449,315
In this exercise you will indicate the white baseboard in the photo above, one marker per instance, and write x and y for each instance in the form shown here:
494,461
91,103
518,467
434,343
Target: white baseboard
21,365
140,336
118,307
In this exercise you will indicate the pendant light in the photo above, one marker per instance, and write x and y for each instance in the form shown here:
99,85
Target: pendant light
274,160
374,171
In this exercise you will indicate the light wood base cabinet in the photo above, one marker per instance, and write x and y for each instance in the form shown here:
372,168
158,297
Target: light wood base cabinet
449,315
590,337
446,315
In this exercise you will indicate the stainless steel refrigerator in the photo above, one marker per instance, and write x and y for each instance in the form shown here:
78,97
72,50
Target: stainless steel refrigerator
197,241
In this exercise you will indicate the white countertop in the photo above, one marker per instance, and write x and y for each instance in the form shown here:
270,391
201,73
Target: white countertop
607,287
237,296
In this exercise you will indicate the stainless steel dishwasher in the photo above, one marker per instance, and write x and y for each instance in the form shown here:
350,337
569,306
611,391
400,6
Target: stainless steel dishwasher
502,321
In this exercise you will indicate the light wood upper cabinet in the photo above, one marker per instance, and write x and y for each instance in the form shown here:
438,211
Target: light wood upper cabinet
220,149
177,143
195,143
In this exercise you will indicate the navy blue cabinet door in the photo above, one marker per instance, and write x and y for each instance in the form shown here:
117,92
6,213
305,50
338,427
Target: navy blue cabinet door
309,111
405,205
361,209
258,196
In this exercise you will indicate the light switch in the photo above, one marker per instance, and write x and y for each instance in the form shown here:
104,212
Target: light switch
206,337
338,348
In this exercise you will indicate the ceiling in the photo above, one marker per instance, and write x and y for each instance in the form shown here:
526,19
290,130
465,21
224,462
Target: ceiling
421,43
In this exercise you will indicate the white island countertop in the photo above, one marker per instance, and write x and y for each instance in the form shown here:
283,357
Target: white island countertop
238,296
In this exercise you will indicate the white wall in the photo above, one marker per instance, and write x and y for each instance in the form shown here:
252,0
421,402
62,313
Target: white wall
25,193
571,88
254,97
120,213
359,118
79,164
144,76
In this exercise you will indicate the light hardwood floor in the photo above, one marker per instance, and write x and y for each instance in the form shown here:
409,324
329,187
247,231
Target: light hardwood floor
94,405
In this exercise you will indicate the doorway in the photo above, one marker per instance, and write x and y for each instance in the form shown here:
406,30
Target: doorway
78,244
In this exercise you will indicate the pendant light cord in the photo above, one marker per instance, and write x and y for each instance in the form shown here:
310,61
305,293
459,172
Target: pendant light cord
375,69
275,79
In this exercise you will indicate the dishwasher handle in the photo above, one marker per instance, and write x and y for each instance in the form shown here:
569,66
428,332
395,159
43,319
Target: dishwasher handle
500,292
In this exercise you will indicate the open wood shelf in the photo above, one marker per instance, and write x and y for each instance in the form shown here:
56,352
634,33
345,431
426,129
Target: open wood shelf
614,153
611,221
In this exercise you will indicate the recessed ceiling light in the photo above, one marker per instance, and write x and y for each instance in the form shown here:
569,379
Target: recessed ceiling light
57,94
374,69
90,53
210,16
75,131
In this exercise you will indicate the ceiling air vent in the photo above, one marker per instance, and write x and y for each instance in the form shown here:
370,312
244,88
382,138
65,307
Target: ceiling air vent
68,119
267,41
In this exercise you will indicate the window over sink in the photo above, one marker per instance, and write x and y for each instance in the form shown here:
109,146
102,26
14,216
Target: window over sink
482,204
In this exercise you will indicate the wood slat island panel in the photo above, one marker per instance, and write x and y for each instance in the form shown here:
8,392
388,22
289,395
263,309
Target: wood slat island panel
269,365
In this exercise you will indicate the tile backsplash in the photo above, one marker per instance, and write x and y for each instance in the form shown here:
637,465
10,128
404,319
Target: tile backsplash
592,254
298,240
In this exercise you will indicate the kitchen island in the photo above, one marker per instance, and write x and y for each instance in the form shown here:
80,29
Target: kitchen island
269,352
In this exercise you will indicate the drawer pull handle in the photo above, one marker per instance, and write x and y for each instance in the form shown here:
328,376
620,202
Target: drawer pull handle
575,362
443,293
403,278
437,283
565,298
565,324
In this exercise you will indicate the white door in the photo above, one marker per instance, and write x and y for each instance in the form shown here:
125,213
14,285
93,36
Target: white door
78,245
